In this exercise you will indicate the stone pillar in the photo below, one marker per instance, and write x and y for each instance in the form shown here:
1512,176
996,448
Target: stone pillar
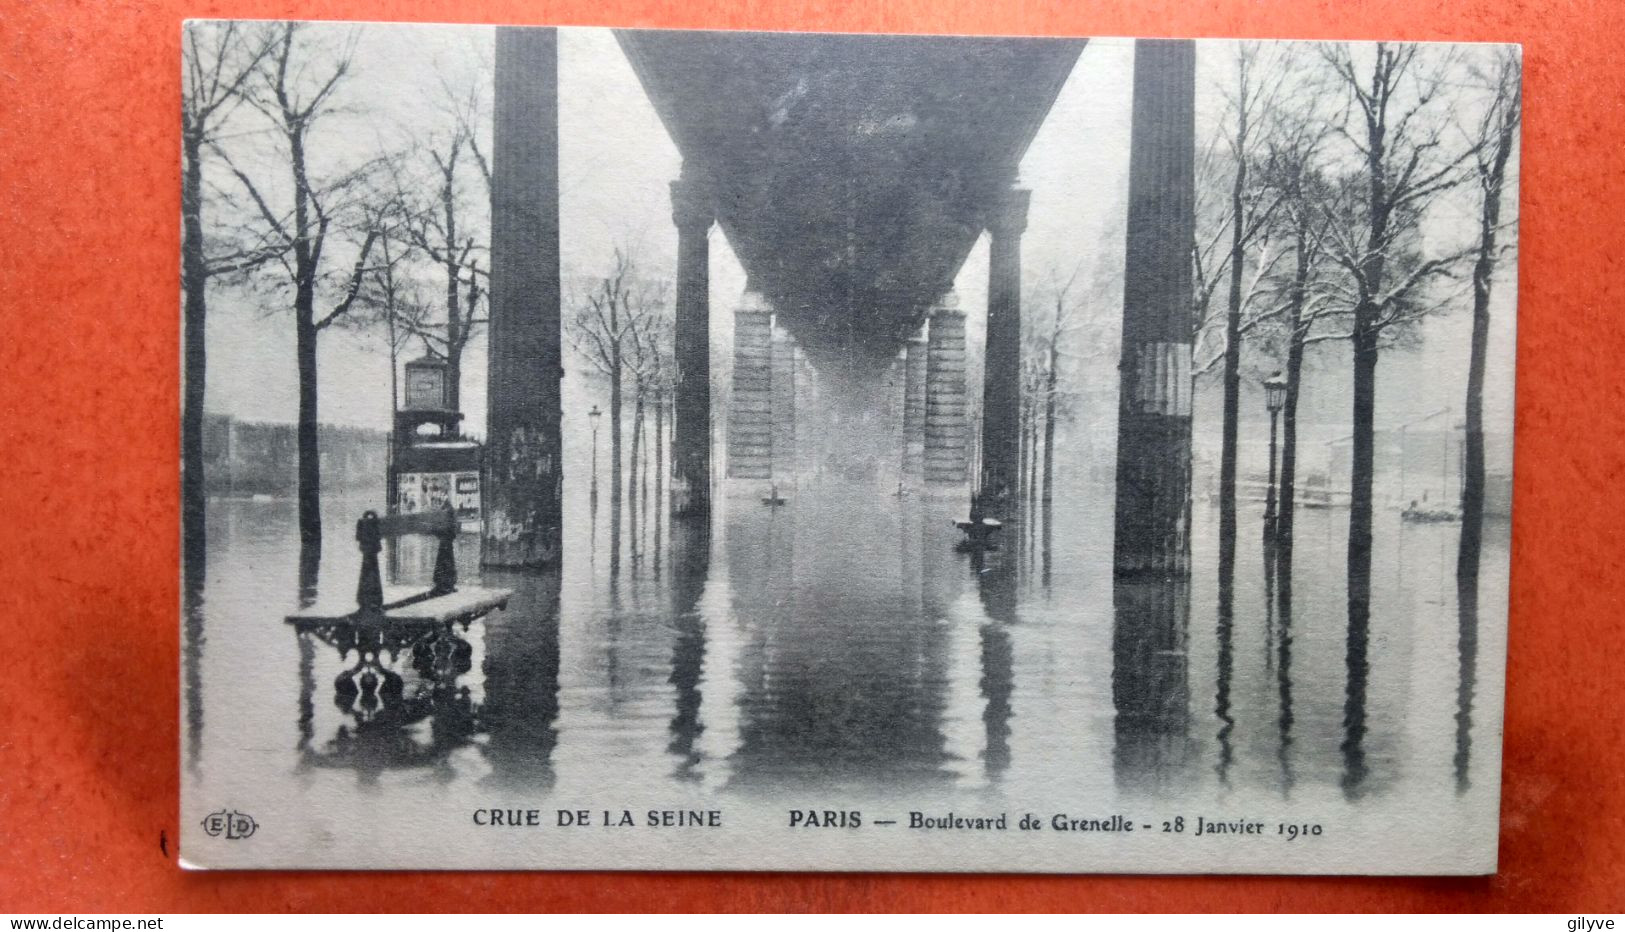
750,411
914,366
785,460
946,426
1154,408
693,214
1151,595
524,487
1001,380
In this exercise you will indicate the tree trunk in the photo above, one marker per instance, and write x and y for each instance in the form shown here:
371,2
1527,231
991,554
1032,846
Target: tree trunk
310,463
1032,457
305,255
1232,381
390,499
1472,480
1359,544
1232,357
660,449
1286,499
194,276
660,473
632,513
1024,447
615,429
643,469
1049,419
1363,468
454,322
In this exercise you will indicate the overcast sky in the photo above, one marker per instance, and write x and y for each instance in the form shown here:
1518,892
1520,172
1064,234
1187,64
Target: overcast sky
616,163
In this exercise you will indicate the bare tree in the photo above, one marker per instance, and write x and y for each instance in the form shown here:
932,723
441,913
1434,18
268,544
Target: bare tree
1060,312
1293,168
652,366
1256,91
1496,139
444,224
393,294
295,91
1397,131
219,59
603,328
397,310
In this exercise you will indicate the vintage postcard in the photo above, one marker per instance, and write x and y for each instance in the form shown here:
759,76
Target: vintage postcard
727,450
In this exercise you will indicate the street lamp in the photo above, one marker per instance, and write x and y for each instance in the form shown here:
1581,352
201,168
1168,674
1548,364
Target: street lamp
592,418
1275,400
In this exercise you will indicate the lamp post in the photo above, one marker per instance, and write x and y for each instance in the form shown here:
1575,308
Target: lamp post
1274,399
592,418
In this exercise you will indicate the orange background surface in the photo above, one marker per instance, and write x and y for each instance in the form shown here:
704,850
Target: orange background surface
89,381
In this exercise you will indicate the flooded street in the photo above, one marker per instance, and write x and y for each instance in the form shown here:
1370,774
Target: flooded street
841,646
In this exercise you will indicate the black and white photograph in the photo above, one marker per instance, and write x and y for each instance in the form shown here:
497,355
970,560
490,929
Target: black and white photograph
684,450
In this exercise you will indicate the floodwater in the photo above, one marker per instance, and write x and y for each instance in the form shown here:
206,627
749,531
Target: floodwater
840,645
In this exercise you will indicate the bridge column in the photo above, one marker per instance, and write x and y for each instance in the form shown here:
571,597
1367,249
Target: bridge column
524,492
1151,595
1154,407
750,411
914,369
1001,380
946,428
693,215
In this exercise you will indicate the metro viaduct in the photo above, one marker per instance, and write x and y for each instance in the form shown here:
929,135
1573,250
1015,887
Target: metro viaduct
852,176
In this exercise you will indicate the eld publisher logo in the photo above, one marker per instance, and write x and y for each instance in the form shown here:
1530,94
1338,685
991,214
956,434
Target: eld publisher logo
234,825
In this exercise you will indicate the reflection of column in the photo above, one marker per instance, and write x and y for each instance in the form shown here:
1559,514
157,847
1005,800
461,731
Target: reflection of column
914,363
691,211
691,557
1001,382
1151,680
524,479
521,669
996,583
785,452
1150,663
750,411
945,423
1154,408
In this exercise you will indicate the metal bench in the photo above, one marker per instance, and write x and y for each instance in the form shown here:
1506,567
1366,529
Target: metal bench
390,619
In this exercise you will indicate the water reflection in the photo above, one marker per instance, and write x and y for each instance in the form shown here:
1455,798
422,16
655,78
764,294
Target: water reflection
1225,636
1467,674
1282,599
691,562
1354,706
192,638
521,680
996,584
842,642
842,683
1151,682
398,695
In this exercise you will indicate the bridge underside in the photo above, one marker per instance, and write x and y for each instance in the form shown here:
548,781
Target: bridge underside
851,174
